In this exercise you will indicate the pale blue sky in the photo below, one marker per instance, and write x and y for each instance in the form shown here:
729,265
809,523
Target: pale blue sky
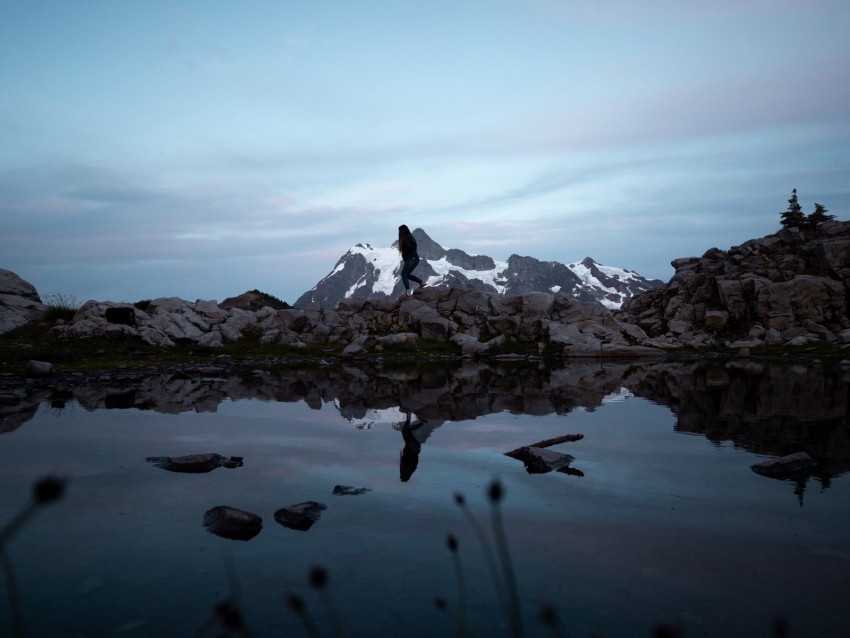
202,149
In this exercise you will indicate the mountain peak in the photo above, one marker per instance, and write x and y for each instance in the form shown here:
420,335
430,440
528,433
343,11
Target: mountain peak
366,272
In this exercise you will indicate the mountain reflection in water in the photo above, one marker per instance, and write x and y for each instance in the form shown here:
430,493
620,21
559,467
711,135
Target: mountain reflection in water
768,409
641,528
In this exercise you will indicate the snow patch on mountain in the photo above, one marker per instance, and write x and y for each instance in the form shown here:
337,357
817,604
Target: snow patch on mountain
492,277
385,262
589,276
387,265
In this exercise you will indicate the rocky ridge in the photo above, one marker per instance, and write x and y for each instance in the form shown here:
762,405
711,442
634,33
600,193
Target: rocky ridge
477,322
789,288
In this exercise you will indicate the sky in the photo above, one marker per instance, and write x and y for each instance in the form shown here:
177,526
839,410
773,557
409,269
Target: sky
203,149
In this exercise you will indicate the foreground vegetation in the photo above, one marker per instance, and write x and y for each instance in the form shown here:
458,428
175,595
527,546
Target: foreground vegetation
38,342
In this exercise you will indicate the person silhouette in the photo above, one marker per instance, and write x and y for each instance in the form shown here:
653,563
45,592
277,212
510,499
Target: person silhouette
409,458
409,258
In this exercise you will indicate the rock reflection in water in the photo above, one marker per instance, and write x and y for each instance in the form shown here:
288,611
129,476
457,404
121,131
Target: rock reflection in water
769,409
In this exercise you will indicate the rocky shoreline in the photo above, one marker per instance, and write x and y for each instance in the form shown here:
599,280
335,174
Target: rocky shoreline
788,289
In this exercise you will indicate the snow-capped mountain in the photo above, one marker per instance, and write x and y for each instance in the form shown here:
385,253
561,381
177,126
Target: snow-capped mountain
369,272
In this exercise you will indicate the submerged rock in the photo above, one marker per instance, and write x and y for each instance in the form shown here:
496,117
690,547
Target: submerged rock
345,490
195,463
230,522
792,466
540,460
300,516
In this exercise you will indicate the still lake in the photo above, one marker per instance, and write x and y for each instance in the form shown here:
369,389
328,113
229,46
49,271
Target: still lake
659,519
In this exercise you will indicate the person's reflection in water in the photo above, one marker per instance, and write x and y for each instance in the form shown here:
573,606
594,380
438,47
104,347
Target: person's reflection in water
412,445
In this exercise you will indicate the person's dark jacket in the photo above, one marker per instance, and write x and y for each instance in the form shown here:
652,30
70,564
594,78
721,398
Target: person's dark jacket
407,246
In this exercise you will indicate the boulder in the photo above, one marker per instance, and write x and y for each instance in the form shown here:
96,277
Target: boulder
210,311
301,516
121,315
19,302
12,285
540,460
354,350
236,324
232,523
39,368
195,463
791,466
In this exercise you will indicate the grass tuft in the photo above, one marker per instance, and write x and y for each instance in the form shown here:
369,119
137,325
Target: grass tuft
61,307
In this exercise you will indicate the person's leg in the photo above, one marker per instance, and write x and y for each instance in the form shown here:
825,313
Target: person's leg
406,267
414,263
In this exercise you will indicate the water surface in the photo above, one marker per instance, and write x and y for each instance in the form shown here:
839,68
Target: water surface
660,519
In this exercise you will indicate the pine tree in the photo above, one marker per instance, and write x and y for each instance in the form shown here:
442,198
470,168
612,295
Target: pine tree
793,217
818,216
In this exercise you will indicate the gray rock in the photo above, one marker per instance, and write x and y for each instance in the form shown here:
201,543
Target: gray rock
354,350
19,302
12,285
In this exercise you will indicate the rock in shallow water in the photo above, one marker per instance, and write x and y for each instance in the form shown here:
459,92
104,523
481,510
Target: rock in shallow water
300,516
347,490
230,522
792,466
195,463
